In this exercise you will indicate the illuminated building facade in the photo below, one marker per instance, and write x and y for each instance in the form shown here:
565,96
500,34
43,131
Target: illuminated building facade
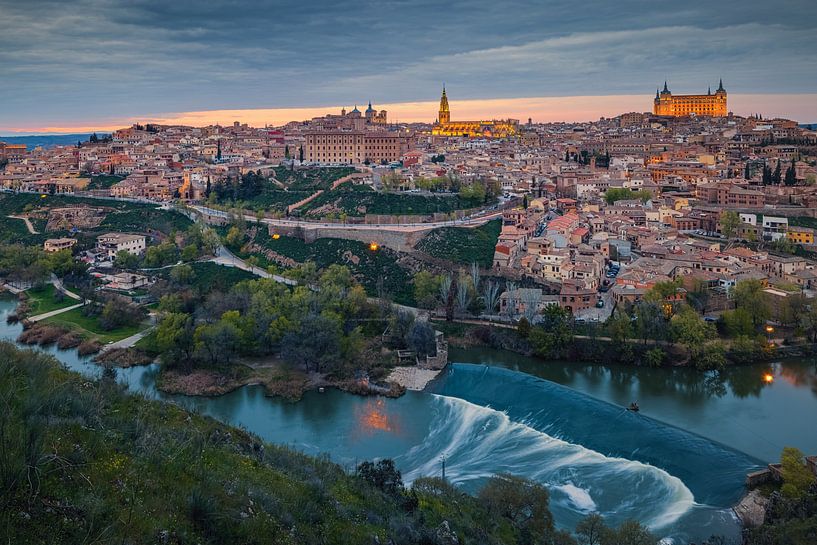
709,105
473,129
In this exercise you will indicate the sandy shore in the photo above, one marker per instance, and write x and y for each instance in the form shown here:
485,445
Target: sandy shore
412,378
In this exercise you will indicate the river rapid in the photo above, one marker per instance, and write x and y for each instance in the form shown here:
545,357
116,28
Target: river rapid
486,417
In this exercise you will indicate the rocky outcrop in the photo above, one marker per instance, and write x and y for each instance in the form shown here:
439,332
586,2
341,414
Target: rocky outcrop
752,509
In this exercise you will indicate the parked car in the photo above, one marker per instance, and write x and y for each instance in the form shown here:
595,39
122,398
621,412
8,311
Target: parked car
600,303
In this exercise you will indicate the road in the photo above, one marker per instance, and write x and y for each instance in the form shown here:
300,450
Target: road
472,221
229,259
127,342
53,313
29,226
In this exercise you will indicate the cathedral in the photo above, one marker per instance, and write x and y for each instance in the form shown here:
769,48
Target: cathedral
708,105
472,129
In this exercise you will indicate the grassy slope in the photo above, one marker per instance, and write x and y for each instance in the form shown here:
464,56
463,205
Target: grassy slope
42,300
88,326
211,276
114,468
359,203
463,245
368,268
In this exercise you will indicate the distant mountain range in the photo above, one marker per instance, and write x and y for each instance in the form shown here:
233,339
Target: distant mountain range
809,126
48,140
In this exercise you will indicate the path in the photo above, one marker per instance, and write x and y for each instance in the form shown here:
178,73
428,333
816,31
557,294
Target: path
61,287
53,313
229,259
472,221
127,342
28,224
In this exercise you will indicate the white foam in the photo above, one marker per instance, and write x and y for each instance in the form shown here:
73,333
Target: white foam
478,442
579,497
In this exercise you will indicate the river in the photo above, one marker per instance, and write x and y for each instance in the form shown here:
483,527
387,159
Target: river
677,466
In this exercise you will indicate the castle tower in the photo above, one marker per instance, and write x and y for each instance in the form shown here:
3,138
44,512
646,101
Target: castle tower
445,114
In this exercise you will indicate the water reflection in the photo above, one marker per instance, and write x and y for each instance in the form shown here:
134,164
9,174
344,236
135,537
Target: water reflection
737,406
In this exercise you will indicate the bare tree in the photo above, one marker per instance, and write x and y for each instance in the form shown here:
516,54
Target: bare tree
463,298
475,276
445,287
490,296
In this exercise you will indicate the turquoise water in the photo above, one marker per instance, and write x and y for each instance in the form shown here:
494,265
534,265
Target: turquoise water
485,419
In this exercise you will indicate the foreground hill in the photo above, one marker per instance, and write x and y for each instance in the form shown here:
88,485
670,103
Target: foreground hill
83,462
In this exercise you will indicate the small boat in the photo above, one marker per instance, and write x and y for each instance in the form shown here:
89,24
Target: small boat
633,407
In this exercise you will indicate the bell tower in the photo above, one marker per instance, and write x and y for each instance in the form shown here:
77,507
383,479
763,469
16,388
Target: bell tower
445,114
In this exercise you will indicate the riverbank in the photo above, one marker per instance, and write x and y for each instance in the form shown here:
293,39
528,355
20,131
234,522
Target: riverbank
605,351
412,378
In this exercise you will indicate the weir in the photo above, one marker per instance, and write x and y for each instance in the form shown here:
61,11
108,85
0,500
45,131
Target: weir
713,472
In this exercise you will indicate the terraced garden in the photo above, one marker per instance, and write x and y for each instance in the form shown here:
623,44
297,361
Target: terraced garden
463,245
374,270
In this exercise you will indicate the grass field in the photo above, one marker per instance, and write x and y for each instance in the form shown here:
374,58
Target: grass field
360,203
88,326
311,179
211,276
42,300
463,245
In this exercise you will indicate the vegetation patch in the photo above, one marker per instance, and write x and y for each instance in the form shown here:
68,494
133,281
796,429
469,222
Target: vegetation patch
377,271
463,245
89,327
311,179
46,298
360,203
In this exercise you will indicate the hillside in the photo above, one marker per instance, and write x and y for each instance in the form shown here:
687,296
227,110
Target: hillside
83,462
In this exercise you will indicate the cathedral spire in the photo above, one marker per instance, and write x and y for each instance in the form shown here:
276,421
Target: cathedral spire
666,90
720,86
445,115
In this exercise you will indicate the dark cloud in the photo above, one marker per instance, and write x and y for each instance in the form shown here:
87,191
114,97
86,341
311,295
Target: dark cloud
64,60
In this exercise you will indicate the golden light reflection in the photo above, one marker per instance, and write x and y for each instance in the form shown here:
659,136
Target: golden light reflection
372,417
276,236
374,246
768,378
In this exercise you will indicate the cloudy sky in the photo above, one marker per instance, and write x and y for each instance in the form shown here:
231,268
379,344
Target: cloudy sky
67,64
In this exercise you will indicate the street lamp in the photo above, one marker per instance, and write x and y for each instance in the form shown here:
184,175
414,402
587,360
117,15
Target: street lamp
769,331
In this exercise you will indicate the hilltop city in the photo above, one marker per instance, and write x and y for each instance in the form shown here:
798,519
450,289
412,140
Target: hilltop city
672,246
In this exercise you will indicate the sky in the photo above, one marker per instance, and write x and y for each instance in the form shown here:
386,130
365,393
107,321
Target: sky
68,66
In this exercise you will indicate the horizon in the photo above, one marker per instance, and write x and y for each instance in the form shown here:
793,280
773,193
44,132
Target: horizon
545,109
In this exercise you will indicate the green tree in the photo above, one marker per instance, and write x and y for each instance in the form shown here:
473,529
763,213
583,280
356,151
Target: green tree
234,238
737,322
174,340
182,274
553,333
654,357
382,474
791,175
730,221
591,530
126,260
748,295
629,533
622,193
523,327
426,287
797,478
524,503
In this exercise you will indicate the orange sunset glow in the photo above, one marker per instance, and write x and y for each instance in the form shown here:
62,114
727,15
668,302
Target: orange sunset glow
539,109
